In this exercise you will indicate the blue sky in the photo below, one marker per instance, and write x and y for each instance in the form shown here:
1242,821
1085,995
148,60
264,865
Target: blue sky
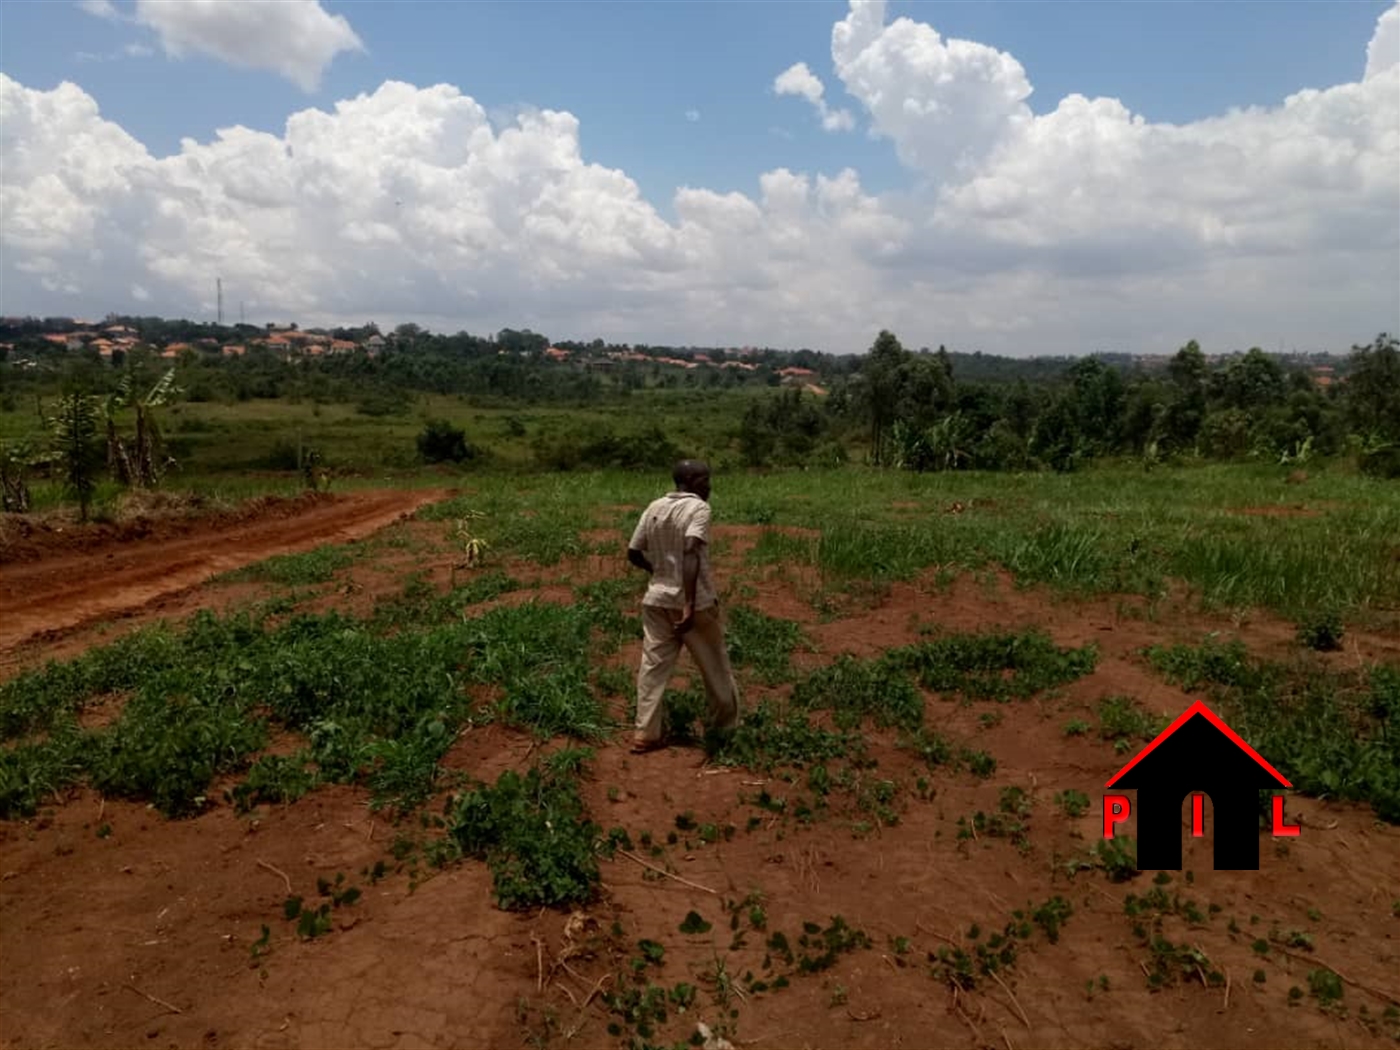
631,71
1047,176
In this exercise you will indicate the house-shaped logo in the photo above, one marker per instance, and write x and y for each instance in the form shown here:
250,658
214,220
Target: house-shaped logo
1200,755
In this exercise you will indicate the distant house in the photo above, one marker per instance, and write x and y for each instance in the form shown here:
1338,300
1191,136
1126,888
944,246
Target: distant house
795,372
374,343
342,346
234,350
555,353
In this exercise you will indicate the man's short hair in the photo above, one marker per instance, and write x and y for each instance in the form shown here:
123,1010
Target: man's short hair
688,470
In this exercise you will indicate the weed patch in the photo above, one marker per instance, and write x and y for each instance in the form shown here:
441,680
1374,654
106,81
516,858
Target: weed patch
533,832
1333,734
763,643
994,666
318,565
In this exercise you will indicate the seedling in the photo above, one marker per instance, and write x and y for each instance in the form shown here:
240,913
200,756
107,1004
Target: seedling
1074,803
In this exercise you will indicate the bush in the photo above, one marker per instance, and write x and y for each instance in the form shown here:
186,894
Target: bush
1322,632
378,403
649,449
441,442
1382,463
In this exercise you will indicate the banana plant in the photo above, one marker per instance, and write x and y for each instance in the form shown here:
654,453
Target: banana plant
16,459
474,547
144,462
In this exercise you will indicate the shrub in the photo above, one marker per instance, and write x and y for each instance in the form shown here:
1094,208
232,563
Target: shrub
1382,463
1322,631
441,442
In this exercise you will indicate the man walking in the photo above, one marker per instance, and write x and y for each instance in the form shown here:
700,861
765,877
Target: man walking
671,543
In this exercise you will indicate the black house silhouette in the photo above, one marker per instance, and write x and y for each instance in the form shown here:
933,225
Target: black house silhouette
1198,752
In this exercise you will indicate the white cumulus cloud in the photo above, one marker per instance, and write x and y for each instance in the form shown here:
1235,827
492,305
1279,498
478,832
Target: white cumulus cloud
798,80
1383,52
101,9
297,39
1085,228
944,103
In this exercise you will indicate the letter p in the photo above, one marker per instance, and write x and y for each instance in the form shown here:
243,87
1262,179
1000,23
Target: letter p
1115,811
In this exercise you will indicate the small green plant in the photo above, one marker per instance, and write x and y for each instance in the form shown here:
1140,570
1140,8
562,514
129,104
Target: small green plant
1076,727
1325,986
694,924
1124,723
473,547
1074,803
1115,857
533,832
1322,631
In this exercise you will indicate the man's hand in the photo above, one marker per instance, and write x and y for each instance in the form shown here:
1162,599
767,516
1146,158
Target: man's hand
639,559
687,620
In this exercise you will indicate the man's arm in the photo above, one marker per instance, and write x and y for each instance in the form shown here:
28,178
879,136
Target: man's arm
690,576
637,545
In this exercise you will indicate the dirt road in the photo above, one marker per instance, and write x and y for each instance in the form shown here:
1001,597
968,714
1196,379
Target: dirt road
108,576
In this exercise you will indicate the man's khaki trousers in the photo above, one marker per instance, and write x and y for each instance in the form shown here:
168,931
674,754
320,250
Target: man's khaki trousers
661,647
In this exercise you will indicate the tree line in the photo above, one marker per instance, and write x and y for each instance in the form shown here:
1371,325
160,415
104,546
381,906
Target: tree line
914,411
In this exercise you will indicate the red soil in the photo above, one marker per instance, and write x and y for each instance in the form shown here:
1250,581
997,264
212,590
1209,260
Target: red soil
64,580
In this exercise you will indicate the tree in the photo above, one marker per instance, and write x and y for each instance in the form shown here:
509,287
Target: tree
1252,382
1184,413
1373,390
1098,399
77,450
881,388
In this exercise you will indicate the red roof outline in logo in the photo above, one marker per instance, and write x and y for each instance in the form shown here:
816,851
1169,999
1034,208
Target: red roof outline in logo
1199,708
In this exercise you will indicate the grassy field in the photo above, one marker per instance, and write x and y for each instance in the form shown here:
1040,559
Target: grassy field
209,438
362,665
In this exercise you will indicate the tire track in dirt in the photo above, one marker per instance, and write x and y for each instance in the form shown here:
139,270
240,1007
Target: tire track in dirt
60,594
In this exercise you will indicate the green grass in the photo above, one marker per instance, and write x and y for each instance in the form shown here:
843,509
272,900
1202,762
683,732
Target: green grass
762,644
1333,734
318,565
375,707
1126,724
